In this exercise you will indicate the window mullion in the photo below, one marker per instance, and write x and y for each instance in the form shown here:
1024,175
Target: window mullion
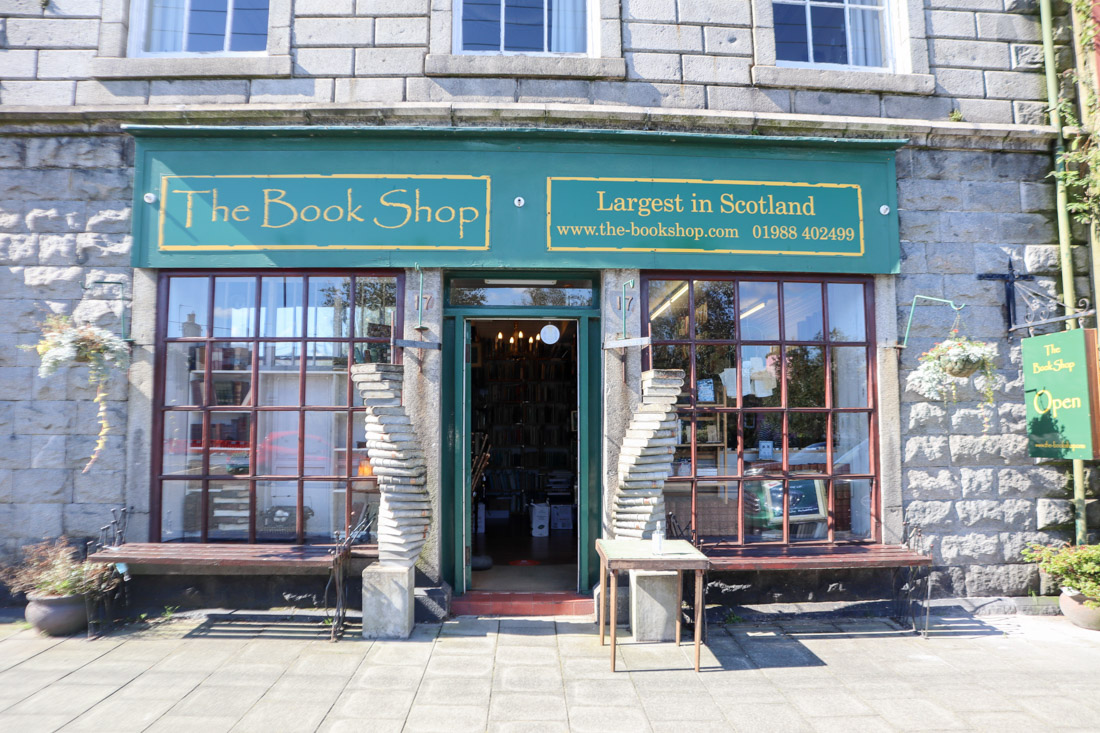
848,32
226,40
545,26
186,28
809,35
502,18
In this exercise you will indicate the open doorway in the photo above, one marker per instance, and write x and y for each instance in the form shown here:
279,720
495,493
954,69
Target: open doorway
523,418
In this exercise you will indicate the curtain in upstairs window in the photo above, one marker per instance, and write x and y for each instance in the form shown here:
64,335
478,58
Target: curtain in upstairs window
865,44
166,26
567,26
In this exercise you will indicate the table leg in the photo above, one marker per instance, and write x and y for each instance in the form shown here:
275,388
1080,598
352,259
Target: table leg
614,607
679,602
603,596
698,614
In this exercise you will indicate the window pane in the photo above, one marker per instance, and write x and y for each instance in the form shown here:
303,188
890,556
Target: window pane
329,307
715,310
206,27
806,442
180,511
277,452
372,353
325,507
681,458
866,28
165,30
760,375
716,375
228,511
763,442
849,369
184,375
182,443
805,376
567,26
716,506
327,373
678,505
276,511
230,441
481,25
234,306
675,357
847,312
231,368
851,442
852,507
809,509
364,505
830,46
375,306
716,444
668,309
791,43
759,311
325,442
279,373
573,293
523,29
249,26
763,511
803,312
187,307
281,307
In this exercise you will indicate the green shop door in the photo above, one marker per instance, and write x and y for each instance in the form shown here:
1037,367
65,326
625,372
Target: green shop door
521,500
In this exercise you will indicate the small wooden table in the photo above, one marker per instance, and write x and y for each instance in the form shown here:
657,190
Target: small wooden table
677,555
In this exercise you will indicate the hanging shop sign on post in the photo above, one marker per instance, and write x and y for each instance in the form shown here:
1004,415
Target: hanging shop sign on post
1061,396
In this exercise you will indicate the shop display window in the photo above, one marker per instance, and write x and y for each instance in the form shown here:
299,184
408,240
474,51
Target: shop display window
776,439
259,430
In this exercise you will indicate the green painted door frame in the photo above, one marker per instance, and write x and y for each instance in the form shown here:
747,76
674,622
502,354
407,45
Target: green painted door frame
456,517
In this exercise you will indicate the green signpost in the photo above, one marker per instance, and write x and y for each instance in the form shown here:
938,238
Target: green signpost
1060,394
477,198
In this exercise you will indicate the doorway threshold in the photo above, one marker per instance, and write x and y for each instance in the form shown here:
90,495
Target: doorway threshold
503,603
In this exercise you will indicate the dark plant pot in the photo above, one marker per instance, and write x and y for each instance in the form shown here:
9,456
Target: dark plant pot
1074,608
961,367
57,615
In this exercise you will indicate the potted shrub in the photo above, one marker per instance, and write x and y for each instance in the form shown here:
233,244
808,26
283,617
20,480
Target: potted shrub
64,343
949,360
1077,568
57,583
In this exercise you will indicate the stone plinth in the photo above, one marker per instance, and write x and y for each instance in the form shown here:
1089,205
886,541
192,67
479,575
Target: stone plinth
653,605
388,603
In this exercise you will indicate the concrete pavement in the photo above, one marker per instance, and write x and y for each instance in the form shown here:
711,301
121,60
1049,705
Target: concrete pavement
474,674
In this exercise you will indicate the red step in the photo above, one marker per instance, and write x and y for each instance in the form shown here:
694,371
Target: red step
497,603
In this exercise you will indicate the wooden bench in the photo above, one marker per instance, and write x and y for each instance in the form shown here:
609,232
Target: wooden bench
724,557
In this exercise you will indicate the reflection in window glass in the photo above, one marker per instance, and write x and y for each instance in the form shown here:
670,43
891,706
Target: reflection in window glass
276,511
326,373
763,510
853,509
806,441
281,307
847,312
808,506
324,443
716,509
277,444
570,293
523,29
674,357
843,32
678,507
279,363
234,306
231,366
716,375
187,307
791,38
802,311
715,309
681,458
668,309
375,305
329,307
206,25
230,443
851,442
182,452
530,26
829,43
761,372
228,511
325,509
759,311
805,376
763,442
184,374
249,32
849,370
181,511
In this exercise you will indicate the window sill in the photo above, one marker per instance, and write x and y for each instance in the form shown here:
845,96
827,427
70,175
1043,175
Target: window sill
834,79
571,67
161,67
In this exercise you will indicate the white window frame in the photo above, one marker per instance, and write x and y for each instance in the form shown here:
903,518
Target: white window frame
591,37
139,17
847,5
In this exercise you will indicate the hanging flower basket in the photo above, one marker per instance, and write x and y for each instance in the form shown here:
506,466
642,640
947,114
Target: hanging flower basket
64,343
949,360
963,366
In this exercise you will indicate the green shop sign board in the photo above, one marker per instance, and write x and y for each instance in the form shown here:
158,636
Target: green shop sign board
1060,392
394,197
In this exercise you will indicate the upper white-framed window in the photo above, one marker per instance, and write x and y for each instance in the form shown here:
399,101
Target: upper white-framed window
198,28
523,27
833,34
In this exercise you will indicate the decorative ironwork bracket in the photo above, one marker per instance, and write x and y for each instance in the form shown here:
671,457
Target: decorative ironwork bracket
1038,305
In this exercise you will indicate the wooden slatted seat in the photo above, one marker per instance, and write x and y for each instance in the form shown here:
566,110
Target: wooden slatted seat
724,557
153,557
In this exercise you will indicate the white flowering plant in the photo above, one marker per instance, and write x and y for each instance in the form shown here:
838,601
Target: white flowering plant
64,343
941,367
